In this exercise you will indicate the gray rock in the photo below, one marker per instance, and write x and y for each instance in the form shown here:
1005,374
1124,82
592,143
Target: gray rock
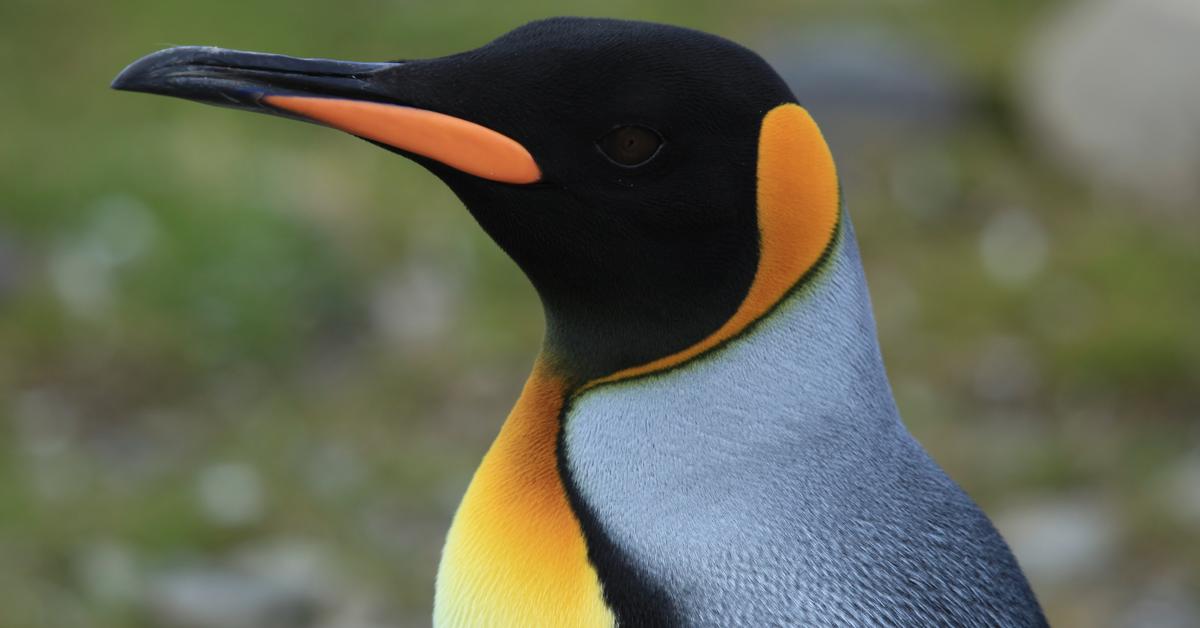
360,612
277,584
1180,489
109,573
886,105
866,85
230,494
83,267
1061,539
1111,90
1013,246
218,598
1165,603
414,307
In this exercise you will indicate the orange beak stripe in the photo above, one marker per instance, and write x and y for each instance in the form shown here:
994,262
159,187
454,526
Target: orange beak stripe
460,144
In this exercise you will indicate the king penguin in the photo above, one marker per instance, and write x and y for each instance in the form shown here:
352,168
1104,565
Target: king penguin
708,436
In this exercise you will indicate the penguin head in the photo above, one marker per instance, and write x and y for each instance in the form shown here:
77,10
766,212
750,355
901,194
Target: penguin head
616,162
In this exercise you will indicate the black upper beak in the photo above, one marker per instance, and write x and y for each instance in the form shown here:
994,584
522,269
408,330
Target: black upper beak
234,78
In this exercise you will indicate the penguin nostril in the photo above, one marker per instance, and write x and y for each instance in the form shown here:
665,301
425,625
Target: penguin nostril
630,145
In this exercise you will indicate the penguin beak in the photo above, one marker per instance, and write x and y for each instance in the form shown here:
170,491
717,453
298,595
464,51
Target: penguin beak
345,95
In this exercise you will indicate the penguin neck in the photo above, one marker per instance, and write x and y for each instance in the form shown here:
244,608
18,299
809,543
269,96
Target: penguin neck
821,342
818,344
822,339
597,327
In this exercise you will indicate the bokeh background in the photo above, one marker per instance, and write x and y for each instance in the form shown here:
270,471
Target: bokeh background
247,366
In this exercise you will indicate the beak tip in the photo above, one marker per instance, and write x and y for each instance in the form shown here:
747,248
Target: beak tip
141,75
123,81
135,74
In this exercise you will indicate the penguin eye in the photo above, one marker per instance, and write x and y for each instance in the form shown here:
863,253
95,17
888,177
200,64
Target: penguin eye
630,145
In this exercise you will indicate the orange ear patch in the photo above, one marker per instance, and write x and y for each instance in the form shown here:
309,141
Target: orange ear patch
797,214
460,144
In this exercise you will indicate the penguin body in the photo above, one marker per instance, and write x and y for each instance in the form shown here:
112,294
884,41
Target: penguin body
708,437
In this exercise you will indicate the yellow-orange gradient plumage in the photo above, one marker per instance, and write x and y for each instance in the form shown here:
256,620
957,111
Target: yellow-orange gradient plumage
515,555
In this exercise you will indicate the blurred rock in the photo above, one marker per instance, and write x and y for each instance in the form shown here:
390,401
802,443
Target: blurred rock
82,278
109,573
219,598
82,267
295,565
282,583
360,612
1180,490
1111,89
1165,603
1058,540
1013,246
867,82
414,307
874,93
230,494
124,228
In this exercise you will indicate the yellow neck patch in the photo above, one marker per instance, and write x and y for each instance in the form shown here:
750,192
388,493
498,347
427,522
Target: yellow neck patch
515,555
797,214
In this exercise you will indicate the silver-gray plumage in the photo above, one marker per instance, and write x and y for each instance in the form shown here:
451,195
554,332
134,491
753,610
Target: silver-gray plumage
771,481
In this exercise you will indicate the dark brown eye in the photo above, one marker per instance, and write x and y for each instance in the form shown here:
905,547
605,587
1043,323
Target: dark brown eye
630,145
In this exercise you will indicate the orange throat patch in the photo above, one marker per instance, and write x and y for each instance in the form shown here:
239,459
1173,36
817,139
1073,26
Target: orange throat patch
515,554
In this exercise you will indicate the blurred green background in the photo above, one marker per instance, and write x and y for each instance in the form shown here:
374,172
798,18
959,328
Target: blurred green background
247,366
